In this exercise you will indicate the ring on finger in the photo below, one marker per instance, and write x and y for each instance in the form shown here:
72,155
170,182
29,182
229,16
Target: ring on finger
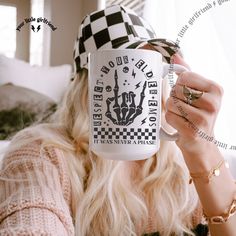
190,95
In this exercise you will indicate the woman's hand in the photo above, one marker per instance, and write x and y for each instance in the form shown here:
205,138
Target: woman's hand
198,119
202,156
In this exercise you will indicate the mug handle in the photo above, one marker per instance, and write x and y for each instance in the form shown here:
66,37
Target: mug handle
164,135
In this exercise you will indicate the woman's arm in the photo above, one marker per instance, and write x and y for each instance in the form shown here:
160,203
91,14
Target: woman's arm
217,195
196,141
39,205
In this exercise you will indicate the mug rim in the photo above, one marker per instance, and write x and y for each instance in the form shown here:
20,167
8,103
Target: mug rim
125,50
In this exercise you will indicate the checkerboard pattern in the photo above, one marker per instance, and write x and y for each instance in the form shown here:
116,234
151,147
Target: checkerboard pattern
115,27
109,28
166,47
124,133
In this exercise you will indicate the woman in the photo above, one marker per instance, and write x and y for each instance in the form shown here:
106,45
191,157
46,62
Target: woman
51,184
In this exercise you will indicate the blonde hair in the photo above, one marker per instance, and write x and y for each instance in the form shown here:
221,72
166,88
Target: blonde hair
115,197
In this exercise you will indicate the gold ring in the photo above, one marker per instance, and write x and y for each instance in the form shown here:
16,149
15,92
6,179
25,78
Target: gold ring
190,95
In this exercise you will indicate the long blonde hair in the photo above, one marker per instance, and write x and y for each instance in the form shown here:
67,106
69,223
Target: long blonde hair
115,197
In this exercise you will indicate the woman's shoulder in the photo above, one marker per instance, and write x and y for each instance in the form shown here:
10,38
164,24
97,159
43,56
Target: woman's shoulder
29,152
34,151
30,144
35,187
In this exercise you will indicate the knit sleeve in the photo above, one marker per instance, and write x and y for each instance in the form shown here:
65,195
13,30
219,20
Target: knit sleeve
37,202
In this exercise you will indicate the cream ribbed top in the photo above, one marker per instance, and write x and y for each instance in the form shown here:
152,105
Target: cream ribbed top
41,205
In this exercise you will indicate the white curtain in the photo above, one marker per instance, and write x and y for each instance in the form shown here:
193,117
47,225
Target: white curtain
209,47
136,5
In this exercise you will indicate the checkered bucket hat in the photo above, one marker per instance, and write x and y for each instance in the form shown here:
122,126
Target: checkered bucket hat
116,27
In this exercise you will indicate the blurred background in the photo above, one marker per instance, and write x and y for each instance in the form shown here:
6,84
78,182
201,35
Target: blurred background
37,66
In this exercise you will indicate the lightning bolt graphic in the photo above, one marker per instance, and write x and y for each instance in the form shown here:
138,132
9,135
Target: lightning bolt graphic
133,74
137,85
32,27
143,121
38,28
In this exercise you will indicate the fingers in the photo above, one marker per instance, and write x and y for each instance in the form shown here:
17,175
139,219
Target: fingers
212,92
193,114
177,59
180,124
205,102
202,111
197,82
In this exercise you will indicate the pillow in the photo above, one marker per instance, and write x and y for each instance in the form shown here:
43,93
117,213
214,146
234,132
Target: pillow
50,81
20,107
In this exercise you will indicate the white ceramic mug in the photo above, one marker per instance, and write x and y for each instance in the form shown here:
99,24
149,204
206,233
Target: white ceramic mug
125,103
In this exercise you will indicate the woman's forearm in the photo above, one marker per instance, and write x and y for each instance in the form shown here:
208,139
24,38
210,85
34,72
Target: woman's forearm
200,99
217,194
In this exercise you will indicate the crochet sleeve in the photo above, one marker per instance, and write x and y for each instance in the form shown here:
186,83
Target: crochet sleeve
37,202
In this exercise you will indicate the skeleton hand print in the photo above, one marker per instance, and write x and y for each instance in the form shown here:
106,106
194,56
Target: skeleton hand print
125,113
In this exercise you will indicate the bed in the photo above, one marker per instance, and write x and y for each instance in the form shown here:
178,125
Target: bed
28,94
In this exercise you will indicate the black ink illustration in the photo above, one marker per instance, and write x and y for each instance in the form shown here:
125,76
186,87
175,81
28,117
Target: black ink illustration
108,88
127,111
144,121
126,69
136,135
33,28
39,20
133,74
